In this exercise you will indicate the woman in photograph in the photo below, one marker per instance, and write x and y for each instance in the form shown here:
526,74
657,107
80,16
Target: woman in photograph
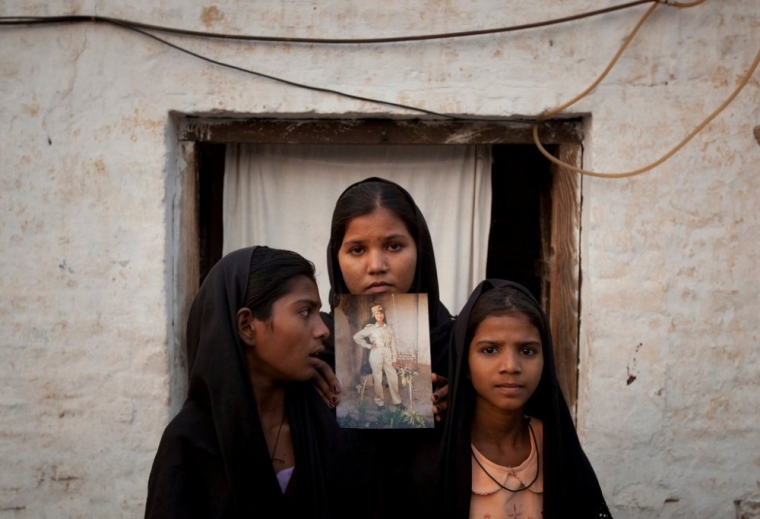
509,446
378,338
254,438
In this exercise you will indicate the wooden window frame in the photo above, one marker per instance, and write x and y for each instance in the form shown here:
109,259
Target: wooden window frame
561,293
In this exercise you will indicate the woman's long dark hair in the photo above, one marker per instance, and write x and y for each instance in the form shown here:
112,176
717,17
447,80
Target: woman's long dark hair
362,199
271,276
365,197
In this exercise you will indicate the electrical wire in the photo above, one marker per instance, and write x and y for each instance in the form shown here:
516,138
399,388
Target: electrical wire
317,88
669,154
603,75
145,28
48,20
681,5
612,63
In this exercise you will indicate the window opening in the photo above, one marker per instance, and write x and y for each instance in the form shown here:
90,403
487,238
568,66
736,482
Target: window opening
535,216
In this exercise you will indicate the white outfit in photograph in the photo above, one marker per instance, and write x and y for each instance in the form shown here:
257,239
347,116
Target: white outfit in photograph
381,358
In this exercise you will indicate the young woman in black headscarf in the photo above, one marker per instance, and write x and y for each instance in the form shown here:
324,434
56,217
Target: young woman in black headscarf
380,243
509,444
254,438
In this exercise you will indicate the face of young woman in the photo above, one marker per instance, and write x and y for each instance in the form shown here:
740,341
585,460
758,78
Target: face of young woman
378,314
286,345
378,255
506,360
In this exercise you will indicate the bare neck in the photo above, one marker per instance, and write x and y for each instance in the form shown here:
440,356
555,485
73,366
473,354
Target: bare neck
268,394
500,436
270,402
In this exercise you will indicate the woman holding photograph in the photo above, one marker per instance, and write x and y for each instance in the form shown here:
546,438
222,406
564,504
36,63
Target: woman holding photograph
380,244
254,438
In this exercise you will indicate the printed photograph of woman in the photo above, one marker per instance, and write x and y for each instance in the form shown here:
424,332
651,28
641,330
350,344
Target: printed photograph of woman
378,338
382,351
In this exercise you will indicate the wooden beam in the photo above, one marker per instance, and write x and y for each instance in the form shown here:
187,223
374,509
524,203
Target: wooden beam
561,210
564,271
186,267
374,131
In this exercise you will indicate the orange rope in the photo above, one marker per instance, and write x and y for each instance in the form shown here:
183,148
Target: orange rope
673,151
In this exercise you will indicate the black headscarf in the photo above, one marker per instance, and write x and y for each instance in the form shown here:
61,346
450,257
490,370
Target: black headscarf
385,456
425,279
213,460
570,485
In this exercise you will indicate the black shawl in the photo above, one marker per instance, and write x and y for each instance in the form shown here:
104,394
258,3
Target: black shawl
213,460
570,485
386,455
425,282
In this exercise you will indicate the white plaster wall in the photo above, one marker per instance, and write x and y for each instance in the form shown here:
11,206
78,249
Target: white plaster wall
670,260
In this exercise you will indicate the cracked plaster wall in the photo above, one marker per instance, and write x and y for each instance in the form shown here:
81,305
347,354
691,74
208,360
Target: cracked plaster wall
669,389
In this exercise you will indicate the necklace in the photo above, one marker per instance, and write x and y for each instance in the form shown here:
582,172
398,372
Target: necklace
525,487
277,440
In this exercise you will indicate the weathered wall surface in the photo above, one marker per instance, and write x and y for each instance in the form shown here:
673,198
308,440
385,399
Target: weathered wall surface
669,375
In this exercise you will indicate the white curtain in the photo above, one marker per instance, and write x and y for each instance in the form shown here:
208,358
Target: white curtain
283,196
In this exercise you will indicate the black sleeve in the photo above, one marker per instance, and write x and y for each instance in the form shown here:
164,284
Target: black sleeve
187,480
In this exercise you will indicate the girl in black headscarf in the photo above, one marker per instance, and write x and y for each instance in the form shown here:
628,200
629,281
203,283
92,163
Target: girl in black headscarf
254,438
509,444
380,243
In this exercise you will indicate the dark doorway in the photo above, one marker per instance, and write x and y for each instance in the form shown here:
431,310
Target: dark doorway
520,211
